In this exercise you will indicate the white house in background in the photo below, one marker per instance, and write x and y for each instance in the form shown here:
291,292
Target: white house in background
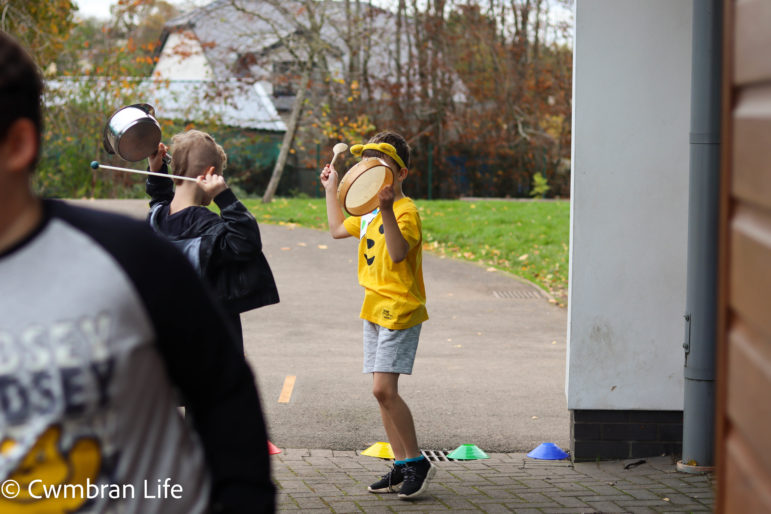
182,58
629,227
251,40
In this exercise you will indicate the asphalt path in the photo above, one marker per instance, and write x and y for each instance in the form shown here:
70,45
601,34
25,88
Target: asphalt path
490,368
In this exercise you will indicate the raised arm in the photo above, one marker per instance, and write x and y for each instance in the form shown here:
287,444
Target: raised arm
396,244
240,240
160,189
335,216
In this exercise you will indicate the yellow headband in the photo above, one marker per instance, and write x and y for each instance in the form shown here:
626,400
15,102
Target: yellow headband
386,148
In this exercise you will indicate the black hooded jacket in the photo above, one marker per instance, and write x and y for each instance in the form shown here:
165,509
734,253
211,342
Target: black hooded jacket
226,250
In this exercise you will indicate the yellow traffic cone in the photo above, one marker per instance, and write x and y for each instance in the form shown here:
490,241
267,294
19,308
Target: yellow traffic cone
380,450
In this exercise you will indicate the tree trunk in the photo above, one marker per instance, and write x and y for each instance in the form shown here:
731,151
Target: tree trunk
291,131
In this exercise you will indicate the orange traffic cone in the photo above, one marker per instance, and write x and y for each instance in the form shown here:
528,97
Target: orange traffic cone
273,449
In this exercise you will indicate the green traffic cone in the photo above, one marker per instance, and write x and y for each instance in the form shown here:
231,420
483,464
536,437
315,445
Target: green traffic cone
467,452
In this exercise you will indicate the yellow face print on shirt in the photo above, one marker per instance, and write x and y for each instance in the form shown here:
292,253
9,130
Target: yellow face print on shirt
46,467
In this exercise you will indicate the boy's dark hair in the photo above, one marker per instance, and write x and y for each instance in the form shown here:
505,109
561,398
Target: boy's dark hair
394,139
20,86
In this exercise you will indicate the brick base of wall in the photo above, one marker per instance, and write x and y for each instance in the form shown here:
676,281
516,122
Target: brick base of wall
624,434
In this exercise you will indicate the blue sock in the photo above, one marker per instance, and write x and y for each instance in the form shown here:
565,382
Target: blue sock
415,459
399,463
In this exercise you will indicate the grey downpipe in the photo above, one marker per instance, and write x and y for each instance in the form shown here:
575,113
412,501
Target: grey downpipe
703,218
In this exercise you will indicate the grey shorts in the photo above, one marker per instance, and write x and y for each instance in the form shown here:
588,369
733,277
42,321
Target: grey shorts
389,351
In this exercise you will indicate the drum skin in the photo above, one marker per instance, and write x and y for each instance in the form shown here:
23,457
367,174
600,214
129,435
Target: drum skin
360,186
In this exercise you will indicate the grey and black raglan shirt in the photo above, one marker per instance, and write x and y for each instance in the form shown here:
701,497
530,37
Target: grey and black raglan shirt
104,331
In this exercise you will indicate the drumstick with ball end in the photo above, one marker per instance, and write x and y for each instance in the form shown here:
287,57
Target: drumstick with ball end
95,165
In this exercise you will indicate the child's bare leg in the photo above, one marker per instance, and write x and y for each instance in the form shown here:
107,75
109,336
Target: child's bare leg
397,418
393,436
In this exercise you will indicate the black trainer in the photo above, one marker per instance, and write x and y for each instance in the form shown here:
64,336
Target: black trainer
416,477
389,483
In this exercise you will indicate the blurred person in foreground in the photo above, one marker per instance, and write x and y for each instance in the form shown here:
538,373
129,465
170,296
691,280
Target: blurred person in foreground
103,326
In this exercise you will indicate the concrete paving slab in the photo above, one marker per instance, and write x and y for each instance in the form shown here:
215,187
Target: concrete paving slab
540,486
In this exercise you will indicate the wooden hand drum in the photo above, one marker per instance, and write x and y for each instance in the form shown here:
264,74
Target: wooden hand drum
360,186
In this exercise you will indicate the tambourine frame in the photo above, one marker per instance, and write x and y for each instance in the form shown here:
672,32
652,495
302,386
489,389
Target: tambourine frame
356,173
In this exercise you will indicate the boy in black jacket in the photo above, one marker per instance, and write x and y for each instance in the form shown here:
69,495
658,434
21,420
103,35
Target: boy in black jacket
226,250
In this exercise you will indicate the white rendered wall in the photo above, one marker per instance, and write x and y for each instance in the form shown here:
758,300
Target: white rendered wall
183,58
629,204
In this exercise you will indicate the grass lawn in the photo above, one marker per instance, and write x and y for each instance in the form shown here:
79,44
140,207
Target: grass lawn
526,238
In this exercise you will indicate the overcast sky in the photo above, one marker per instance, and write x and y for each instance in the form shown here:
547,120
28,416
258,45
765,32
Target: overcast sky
101,8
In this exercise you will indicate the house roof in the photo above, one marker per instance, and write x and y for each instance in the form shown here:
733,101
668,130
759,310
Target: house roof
236,35
228,29
231,29
228,102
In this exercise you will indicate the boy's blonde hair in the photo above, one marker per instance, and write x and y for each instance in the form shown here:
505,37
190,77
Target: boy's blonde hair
193,151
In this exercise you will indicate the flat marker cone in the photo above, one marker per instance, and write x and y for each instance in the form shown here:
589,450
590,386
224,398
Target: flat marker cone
467,452
380,450
548,451
273,449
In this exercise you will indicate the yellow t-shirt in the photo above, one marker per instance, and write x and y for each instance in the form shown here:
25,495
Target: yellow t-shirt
394,293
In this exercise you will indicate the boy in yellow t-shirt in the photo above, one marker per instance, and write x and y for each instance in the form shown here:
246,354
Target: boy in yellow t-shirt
390,270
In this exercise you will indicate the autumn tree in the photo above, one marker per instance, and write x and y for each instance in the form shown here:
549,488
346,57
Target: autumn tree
43,26
516,64
96,72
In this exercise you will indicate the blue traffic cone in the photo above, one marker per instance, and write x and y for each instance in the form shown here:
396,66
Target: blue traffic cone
548,451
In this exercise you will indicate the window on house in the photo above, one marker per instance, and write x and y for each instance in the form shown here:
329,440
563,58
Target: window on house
285,78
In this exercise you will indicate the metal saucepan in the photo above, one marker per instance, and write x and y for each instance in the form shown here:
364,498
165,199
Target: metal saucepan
132,132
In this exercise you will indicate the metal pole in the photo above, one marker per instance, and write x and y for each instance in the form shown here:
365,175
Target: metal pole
703,214
318,167
430,170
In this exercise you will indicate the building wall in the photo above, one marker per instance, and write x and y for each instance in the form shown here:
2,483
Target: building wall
744,333
183,58
629,212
